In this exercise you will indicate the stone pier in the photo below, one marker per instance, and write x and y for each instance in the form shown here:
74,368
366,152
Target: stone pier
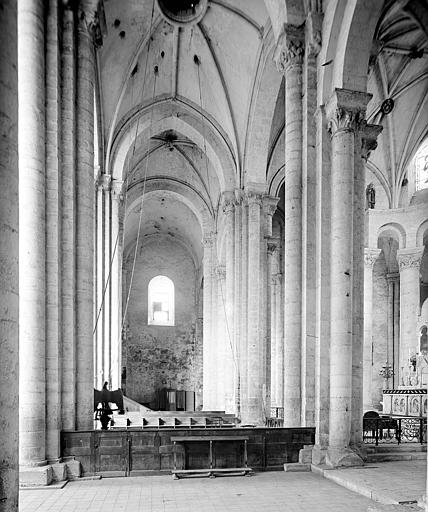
9,254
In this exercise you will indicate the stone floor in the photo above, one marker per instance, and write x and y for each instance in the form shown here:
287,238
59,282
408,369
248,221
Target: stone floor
274,491
291,492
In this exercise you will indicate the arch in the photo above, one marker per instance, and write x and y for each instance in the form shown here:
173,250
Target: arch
265,89
421,233
181,190
395,231
188,120
161,301
348,33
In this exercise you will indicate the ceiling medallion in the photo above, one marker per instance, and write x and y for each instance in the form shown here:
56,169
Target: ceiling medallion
182,12
387,106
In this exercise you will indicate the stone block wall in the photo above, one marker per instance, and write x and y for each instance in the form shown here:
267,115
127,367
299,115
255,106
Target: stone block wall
162,356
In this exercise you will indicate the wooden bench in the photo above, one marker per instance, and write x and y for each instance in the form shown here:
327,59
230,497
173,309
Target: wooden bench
211,471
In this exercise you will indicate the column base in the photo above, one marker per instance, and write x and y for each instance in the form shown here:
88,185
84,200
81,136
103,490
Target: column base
38,476
318,455
342,457
30,476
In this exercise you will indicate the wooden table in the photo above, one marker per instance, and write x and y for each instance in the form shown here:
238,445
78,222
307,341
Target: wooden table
211,471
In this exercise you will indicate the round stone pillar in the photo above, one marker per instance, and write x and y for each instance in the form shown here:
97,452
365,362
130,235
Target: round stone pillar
84,227
345,112
289,58
409,261
9,254
68,213
370,257
115,280
254,412
229,361
32,238
209,345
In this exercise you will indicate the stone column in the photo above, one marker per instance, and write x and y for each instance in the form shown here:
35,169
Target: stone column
53,240
237,304
84,226
409,261
229,361
68,219
99,264
269,208
272,245
220,336
254,413
32,238
277,342
243,344
289,58
370,257
106,299
365,142
313,26
345,111
9,253
115,280
209,341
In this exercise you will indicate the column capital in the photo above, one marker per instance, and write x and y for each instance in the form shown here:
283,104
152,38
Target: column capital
104,181
254,197
290,48
228,202
346,110
369,134
208,239
116,188
91,13
370,256
313,33
272,245
269,205
409,258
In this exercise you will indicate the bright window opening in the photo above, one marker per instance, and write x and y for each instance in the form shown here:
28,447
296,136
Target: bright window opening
161,301
421,166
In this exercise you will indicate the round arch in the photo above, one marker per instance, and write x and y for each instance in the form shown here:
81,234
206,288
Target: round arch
395,231
144,122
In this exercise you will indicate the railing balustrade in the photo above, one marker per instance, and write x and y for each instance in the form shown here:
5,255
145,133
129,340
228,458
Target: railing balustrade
390,429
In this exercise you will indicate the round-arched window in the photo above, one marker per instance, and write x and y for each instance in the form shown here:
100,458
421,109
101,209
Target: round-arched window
161,301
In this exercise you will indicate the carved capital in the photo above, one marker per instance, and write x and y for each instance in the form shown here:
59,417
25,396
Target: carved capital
228,202
104,182
346,110
254,198
409,258
370,256
290,48
269,205
313,32
368,135
208,239
272,245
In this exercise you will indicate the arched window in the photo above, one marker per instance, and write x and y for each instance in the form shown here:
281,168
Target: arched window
161,301
421,166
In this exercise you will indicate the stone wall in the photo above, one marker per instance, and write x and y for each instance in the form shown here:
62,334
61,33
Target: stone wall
162,356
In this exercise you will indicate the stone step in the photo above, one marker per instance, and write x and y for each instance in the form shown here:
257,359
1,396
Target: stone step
404,447
296,467
395,456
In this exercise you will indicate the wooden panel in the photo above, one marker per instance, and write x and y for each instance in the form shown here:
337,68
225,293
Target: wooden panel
152,451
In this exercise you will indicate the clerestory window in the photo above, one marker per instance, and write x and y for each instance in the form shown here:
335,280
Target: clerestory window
161,301
421,166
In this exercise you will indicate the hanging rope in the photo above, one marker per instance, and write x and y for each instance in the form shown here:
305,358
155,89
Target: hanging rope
127,175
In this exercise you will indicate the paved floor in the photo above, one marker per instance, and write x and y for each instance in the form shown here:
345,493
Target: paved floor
387,482
263,492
